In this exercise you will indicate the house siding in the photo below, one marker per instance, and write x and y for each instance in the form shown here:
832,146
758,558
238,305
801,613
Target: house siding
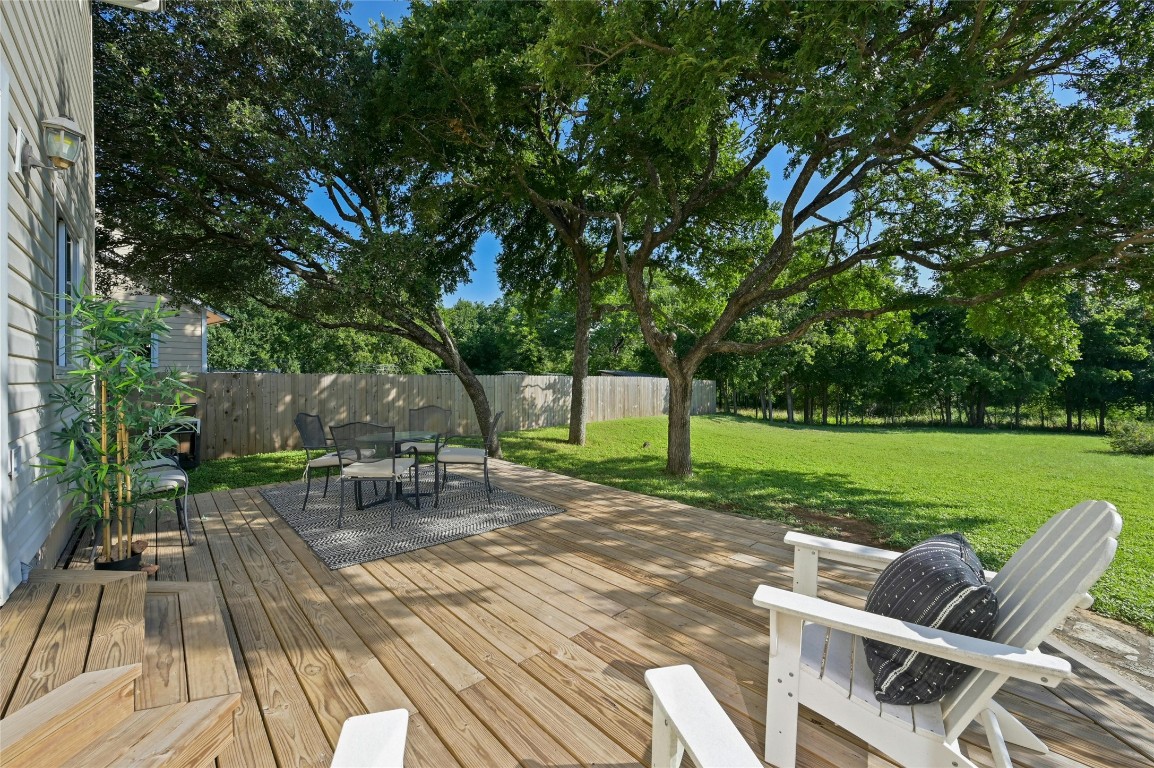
183,349
46,46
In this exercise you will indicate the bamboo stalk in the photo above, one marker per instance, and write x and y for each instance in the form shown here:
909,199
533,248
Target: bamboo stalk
127,512
106,510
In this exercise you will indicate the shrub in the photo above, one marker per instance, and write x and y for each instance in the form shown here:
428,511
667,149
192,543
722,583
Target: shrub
1133,437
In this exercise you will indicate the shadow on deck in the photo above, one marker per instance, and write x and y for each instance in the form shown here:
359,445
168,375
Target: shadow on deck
527,645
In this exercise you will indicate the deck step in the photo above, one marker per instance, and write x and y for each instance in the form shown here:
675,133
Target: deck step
187,655
70,719
64,623
185,735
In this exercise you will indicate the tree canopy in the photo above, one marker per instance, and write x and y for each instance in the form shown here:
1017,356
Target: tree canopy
934,154
246,162
741,174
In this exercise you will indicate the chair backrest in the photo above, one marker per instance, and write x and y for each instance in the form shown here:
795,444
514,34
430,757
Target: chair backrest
1036,589
432,418
365,442
312,431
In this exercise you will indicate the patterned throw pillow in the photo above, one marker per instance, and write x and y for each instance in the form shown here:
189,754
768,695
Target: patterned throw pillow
937,583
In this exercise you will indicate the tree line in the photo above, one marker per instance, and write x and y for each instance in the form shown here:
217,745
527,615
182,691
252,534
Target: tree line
728,178
930,367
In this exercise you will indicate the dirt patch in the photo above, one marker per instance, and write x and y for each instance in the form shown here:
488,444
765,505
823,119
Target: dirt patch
838,526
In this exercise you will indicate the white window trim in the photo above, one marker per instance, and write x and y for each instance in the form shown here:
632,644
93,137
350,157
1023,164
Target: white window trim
74,264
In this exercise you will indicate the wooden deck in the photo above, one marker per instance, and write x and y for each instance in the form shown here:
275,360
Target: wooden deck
527,645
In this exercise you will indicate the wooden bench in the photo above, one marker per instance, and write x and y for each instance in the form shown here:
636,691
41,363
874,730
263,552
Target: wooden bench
69,641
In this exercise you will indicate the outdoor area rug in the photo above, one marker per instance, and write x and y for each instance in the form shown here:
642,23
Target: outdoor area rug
366,534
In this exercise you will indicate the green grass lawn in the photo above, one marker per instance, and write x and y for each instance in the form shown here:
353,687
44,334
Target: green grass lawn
907,484
995,487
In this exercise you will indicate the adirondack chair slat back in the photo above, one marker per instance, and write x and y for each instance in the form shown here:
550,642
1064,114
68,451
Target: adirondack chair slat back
1036,589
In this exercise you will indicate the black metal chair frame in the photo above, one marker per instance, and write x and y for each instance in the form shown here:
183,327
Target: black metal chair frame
432,418
147,472
311,429
345,440
494,432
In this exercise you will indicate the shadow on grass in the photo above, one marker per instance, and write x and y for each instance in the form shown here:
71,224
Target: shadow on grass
772,494
246,472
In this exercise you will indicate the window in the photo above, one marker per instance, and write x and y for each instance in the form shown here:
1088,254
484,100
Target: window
66,260
151,351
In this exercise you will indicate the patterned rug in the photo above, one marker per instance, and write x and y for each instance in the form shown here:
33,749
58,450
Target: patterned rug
366,534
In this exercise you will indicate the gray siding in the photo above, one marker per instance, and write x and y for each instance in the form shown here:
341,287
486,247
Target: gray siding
183,350
46,46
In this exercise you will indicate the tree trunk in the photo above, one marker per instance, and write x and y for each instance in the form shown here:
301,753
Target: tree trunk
480,402
679,462
582,324
769,411
1102,407
788,399
949,409
825,404
1018,413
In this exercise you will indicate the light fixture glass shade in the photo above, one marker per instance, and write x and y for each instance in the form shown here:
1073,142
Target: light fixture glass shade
62,139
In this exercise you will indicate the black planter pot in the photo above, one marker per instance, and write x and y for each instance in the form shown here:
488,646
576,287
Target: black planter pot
127,564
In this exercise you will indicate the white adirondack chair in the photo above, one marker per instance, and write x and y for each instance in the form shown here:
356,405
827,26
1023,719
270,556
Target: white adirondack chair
686,718
375,740
816,657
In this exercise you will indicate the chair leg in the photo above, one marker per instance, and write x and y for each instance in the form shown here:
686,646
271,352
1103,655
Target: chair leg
781,708
488,485
328,472
341,509
436,485
182,514
308,485
1014,732
667,749
994,735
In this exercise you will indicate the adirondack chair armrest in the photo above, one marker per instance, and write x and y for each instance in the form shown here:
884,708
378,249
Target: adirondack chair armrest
842,551
985,654
807,550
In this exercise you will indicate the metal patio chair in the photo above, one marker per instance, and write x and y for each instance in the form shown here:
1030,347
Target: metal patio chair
429,418
370,446
318,451
459,455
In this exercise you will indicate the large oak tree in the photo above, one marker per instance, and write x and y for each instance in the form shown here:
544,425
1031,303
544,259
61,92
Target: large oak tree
239,157
980,149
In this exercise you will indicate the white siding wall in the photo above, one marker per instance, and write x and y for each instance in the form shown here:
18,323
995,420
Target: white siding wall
46,46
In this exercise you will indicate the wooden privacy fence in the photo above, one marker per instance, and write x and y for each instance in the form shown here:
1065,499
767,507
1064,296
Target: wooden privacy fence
247,413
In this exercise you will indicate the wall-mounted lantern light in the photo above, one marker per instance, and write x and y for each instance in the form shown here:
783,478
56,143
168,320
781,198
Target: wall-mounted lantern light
62,143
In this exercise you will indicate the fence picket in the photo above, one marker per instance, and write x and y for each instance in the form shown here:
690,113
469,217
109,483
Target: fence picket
246,413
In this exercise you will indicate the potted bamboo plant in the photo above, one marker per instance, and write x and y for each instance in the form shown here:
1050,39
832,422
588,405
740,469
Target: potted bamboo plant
117,413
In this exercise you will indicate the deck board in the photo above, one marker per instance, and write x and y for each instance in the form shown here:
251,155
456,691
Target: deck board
528,645
19,625
61,647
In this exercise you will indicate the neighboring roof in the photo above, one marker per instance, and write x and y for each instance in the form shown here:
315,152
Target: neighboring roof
628,373
214,317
